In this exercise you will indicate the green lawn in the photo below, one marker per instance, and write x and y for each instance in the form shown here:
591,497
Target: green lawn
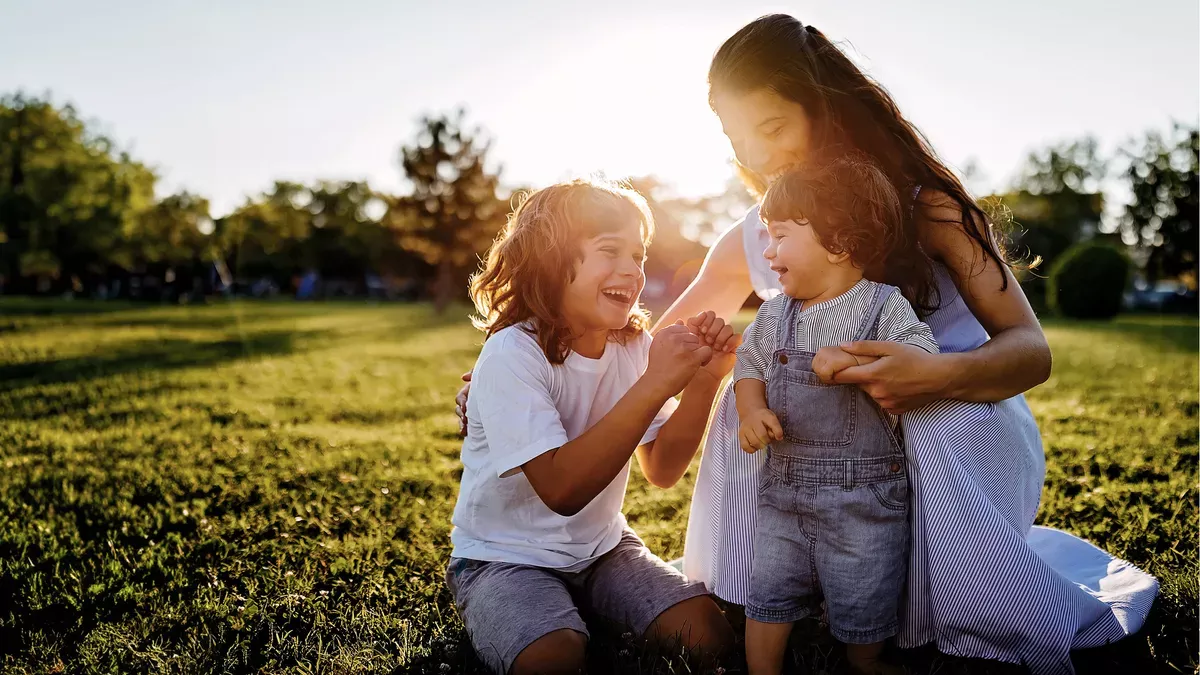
267,488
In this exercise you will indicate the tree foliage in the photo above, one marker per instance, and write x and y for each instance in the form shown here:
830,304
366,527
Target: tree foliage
453,211
1088,281
77,213
1161,219
70,202
1056,201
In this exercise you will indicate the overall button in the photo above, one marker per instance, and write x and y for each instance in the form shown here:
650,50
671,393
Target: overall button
783,359
895,467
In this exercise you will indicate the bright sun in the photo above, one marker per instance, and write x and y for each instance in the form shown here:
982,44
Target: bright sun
638,109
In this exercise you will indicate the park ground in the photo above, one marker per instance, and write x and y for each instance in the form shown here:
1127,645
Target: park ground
266,487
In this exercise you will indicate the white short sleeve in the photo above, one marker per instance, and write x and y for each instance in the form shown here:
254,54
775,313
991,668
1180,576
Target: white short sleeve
510,390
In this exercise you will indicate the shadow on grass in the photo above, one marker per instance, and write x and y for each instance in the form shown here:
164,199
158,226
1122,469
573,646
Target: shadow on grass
812,651
145,356
18,307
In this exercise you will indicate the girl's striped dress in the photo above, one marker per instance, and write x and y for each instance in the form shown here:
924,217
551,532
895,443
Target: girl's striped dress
983,582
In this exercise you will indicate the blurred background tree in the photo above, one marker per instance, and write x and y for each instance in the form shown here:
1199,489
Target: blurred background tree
685,227
453,212
1055,202
68,200
1160,221
79,216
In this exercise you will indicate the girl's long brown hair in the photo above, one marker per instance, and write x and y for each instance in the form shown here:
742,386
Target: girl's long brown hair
851,112
535,256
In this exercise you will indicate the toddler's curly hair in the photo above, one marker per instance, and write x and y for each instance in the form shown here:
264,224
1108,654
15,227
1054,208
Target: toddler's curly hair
849,202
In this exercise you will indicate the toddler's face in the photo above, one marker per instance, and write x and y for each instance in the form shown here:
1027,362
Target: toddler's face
608,280
797,256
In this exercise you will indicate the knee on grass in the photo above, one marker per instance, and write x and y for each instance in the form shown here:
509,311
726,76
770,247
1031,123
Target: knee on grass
557,653
696,624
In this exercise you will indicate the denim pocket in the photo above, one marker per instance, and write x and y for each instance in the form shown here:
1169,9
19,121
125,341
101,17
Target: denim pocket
892,495
814,413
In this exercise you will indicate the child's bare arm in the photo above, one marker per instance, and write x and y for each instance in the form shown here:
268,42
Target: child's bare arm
665,459
758,426
568,478
751,396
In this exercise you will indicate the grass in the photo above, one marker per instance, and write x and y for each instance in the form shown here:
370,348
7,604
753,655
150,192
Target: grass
267,488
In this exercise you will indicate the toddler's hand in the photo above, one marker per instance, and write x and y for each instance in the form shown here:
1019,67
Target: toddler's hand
758,429
829,361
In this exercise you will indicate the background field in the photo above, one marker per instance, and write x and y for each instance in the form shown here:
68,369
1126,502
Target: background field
267,487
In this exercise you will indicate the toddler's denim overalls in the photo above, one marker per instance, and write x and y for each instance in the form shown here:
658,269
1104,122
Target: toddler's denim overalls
833,503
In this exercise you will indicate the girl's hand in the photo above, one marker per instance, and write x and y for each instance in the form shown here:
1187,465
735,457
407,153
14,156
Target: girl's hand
714,332
460,405
758,429
902,378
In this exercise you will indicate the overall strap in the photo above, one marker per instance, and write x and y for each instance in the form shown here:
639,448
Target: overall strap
785,332
867,329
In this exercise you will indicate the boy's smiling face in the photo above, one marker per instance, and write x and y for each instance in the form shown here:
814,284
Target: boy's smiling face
608,279
797,256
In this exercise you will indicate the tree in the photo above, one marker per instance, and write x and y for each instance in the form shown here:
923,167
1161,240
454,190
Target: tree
346,237
171,242
1055,202
67,198
263,237
1074,165
685,228
1161,219
453,212
338,229
174,231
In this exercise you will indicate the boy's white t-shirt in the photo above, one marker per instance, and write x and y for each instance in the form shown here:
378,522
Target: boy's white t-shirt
520,407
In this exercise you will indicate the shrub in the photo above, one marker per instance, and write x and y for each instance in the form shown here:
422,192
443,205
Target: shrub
1088,281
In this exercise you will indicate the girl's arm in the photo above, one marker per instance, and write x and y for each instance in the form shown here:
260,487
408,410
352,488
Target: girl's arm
569,477
1015,359
722,285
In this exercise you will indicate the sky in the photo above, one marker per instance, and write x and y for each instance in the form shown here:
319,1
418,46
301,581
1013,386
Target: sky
223,97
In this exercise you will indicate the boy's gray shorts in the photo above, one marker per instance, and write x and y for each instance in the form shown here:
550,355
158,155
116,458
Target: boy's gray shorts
507,607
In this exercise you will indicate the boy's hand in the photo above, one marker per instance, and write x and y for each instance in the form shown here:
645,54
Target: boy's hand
675,356
829,361
758,429
714,332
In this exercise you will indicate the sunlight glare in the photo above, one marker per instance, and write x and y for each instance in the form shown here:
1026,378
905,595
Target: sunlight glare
637,110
